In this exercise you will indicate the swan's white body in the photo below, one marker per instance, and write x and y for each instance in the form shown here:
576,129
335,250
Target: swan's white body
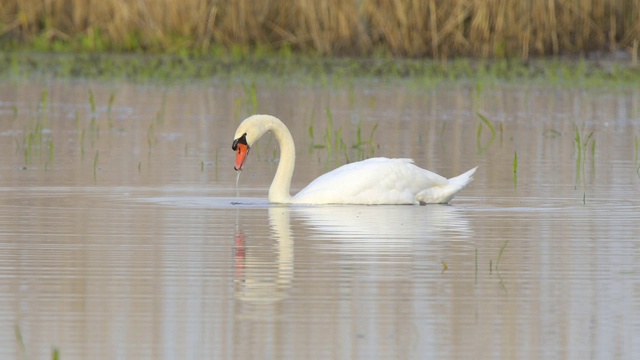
372,181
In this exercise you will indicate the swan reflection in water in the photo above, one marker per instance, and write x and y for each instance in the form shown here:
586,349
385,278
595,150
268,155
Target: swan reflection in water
373,234
264,277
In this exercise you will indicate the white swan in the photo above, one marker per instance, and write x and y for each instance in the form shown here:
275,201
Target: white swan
372,181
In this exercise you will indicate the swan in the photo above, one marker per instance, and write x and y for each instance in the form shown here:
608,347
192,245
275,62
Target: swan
372,181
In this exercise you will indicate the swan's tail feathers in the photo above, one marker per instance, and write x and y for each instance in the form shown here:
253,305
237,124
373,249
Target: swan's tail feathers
443,194
461,181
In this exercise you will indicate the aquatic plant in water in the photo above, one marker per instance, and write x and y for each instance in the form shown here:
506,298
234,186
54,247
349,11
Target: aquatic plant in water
635,159
484,122
515,169
37,138
333,141
582,146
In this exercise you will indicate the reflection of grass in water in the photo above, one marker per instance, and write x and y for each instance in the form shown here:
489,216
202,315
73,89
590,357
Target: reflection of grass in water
497,266
476,266
151,137
82,136
50,151
551,133
95,164
22,348
493,266
484,122
504,246
582,146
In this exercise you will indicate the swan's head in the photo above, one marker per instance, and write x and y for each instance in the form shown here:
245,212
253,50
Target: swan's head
249,131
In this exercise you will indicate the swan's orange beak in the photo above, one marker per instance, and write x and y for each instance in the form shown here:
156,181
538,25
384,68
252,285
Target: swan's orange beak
241,148
241,155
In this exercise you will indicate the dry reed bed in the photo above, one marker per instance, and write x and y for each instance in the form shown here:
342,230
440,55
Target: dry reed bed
415,28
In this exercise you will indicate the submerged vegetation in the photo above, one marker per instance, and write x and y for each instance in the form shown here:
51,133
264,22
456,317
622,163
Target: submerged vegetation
37,139
484,122
582,143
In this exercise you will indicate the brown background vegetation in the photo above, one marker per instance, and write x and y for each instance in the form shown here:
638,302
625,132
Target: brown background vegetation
413,28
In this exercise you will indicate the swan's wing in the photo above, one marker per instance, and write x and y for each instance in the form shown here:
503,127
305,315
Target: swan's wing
373,181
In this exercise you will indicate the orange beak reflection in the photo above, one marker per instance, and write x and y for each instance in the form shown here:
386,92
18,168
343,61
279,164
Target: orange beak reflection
241,148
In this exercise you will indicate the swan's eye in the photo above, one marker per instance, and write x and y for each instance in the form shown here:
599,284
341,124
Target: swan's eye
241,140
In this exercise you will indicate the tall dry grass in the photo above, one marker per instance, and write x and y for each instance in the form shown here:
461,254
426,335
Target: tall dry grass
416,28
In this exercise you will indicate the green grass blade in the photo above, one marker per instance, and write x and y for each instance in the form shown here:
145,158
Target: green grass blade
515,169
92,101
487,123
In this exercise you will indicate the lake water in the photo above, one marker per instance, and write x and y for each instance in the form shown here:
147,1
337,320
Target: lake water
123,235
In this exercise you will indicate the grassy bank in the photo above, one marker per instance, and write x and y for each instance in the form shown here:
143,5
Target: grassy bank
312,69
409,28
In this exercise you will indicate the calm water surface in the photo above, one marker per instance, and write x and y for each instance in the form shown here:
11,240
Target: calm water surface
123,235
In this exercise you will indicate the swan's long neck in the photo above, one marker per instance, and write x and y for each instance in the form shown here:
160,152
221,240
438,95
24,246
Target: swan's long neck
279,190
